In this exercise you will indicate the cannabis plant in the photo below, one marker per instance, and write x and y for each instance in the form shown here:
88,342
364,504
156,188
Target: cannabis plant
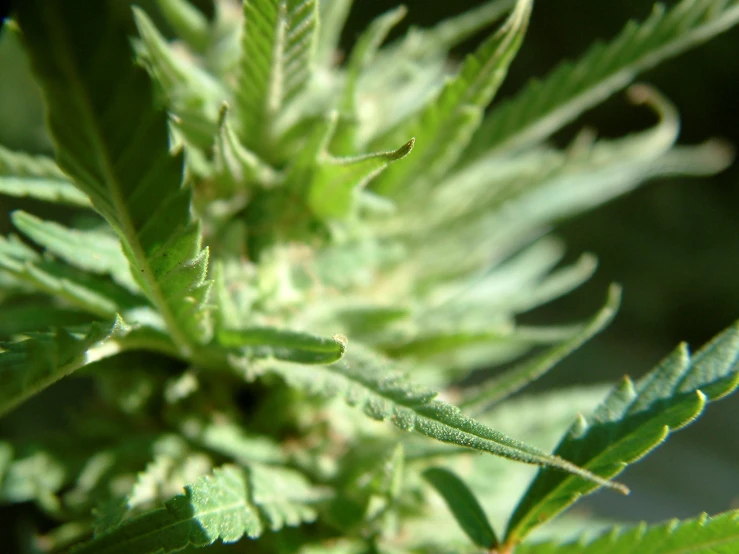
261,307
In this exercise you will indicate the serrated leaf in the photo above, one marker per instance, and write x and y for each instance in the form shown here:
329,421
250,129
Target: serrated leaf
363,380
282,495
570,89
216,507
164,477
705,534
31,365
114,143
94,251
193,95
519,192
445,126
409,72
503,212
278,45
266,342
225,505
96,295
482,396
37,177
631,421
464,506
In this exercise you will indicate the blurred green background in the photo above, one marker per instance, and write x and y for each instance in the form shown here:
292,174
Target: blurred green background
673,245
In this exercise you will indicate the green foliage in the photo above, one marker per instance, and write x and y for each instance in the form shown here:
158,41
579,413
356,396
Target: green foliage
363,380
634,419
112,141
278,46
36,177
702,535
256,252
463,504
225,505
545,106
30,365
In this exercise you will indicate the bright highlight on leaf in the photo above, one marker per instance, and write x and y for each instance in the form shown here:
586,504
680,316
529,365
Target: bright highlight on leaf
37,177
225,505
28,366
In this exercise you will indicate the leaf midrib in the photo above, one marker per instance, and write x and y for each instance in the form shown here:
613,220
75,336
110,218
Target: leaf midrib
114,189
532,456
240,504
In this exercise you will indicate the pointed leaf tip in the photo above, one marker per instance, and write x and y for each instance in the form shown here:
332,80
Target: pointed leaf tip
404,150
633,420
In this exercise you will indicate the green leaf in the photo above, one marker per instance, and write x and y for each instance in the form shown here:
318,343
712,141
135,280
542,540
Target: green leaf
265,342
192,94
332,15
572,88
337,181
331,185
505,199
187,21
705,534
96,295
482,396
31,365
25,315
236,166
218,506
445,35
225,505
364,380
94,251
231,440
364,51
114,144
282,495
278,46
163,478
445,126
631,421
437,343
37,177
464,506
519,192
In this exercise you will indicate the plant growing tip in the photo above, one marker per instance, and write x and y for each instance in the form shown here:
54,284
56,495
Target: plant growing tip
251,208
